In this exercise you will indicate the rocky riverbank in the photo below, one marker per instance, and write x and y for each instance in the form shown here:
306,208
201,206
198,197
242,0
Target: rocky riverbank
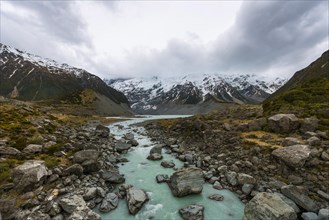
283,157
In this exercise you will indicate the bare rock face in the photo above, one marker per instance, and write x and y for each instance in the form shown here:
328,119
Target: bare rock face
186,181
268,206
192,212
294,156
283,123
29,175
136,198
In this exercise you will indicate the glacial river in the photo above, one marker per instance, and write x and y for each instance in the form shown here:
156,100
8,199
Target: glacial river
141,173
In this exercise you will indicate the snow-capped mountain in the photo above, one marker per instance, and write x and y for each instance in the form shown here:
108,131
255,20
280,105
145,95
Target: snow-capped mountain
29,77
149,95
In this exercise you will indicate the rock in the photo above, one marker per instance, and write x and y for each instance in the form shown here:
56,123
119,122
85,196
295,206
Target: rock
268,206
7,206
109,203
246,188
162,178
75,169
325,156
88,160
186,181
283,123
217,185
58,217
71,202
309,124
296,195
129,136
121,147
323,195
290,141
231,178
289,202
157,149
323,214
294,156
83,212
29,175
38,215
33,149
112,177
245,179
192,212
90,193
136,199
309,216
102,131
313,141
154,156
9,151
167,164
216,197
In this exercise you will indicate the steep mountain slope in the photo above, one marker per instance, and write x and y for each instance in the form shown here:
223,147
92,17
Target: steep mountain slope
29,77
306,93
191,93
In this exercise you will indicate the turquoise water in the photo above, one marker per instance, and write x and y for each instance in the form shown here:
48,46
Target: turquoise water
141,173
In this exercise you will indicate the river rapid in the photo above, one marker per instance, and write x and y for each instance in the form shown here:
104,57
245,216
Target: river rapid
141,173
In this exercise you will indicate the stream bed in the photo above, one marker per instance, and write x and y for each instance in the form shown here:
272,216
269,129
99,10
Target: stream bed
141,173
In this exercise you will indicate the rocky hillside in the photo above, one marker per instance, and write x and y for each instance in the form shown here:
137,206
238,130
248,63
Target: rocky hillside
25,76
192,93
306,93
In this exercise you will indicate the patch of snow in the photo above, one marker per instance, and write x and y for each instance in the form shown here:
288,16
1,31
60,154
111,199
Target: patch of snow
13,73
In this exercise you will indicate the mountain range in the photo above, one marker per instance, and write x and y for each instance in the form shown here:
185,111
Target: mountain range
29,77
192,94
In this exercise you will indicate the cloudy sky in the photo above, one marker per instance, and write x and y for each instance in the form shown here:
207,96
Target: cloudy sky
168,38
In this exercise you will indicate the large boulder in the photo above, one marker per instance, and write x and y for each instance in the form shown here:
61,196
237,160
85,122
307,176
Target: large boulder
109,203
69,203
157,149
296,195
75,169
102,131
293,156
268,206
88,160
112,177
29,175
136,198
9,151
122,147
283,123
186,181
192,212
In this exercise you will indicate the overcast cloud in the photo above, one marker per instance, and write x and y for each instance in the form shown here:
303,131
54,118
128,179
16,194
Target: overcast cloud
125,39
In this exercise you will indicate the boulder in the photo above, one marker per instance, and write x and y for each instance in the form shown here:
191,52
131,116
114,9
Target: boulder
245,179
102,131
293,156
121,147
192,212
136,198
7,206
75,169
290,141
323,214
309,124
9,151
268,206
71,202
313,141
90,193
154,156
88,160
39,215
296,195
309,216
157,149
216,197
129,136
167,164
33,149
283,123
29,175
161,178
186,181
83,212
231,178
109,203
112,177
247,188
289,202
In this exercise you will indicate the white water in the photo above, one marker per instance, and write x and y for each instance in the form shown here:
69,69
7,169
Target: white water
141,173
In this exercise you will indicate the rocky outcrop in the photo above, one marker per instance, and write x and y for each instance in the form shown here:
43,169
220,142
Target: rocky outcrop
283,123
293,156
268,206
88,160
186,181
192,212
136,198
29,175
296,195
109,203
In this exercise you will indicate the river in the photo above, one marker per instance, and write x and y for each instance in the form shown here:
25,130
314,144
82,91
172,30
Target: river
141,173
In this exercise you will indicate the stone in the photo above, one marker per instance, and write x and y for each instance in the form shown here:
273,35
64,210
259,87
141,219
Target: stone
313,141
162,178
290,141
309,216
83,212
296,195
167,164
155,156
136,198
33,149
156,149
247,188
231,178
9,151
323,195
109,203
325,156
283,123
293,156
58,217
323,214
102,131
268,206
129,136
217,185
289,202
71,202
192,212
186,181
309,125
245,179
122,147
88,160
112,177
216,197
29,175
75,169
7,206
39,215
90,193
